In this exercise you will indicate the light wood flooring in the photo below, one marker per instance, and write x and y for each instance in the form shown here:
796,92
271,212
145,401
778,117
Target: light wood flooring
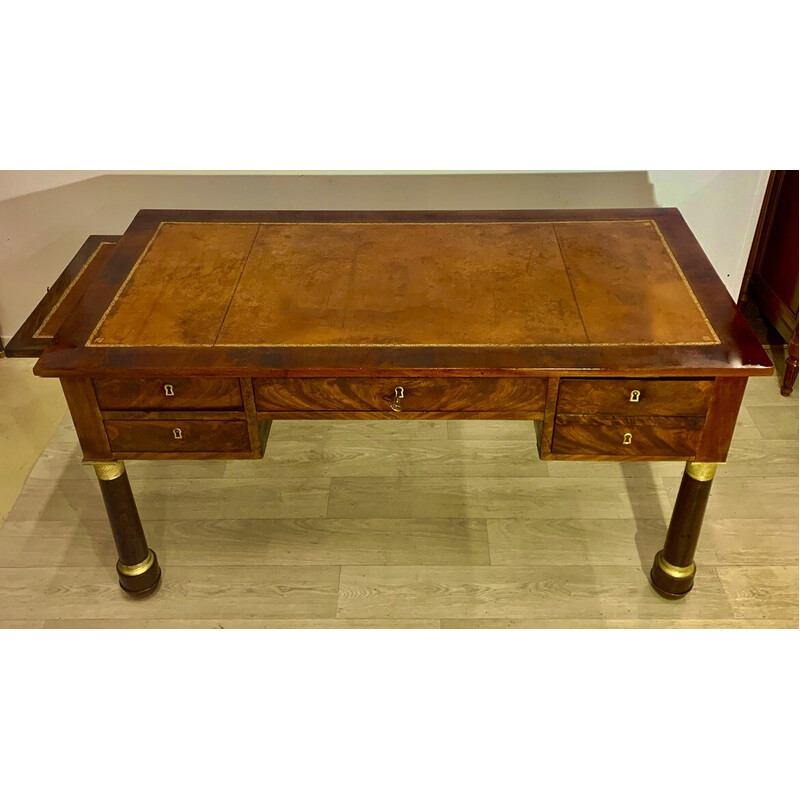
421,524
30,410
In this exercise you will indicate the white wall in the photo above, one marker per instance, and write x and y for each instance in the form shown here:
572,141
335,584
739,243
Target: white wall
722,210
17,182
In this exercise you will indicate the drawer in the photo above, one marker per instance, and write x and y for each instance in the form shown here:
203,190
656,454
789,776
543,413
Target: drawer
176,394
635,397
656,437
419,394
177,436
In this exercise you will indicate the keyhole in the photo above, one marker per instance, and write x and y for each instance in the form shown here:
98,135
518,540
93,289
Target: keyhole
176,432
398,396
635,396
168,390
627,438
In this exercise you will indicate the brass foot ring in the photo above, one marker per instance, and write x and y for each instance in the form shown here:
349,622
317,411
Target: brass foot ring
137,569
669,580
140,579
679,573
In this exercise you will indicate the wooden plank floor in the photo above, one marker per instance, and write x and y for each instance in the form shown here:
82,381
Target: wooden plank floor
422,524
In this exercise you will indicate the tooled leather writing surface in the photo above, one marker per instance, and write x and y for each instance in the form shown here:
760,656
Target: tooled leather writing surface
627,285
404,284
181,287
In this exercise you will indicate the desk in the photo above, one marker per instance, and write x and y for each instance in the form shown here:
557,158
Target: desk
188,335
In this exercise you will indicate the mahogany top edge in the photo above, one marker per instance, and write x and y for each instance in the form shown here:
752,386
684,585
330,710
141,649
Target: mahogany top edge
154,216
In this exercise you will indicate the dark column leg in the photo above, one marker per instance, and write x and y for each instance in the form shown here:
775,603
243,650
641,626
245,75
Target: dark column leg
138,570
790,376
673,570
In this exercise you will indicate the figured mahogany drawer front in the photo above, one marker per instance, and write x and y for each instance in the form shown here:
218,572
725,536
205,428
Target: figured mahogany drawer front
400,394
176,394
657,437
177,436
634,397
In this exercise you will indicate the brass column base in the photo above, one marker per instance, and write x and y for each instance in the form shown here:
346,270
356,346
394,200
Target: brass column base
672,575
670,581
140,580
137,567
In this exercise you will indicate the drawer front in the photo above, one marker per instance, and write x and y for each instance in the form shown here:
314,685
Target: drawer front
176,394
656,437
177,436
632,397
418,394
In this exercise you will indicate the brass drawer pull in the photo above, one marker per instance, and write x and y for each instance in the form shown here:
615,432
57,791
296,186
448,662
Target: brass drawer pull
398,396
169,390
635,394
627,438
177,433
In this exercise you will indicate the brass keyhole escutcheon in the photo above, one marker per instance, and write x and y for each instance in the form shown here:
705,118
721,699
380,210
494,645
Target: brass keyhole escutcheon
169,391
398,396
177,433
635,394
627,438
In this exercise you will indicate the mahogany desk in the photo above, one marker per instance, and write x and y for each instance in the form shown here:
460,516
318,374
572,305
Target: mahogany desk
188,335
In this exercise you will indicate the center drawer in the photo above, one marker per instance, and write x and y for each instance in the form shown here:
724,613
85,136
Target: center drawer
169,394
400,394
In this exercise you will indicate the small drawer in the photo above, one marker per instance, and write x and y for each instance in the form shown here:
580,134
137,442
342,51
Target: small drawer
174,394
177,436
632,397
400,394
645,437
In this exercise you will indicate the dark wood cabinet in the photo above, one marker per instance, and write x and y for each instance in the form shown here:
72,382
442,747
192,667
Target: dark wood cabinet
772,271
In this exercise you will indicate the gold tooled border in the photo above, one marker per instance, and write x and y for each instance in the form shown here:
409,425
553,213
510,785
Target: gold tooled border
685,281
39,334
94,342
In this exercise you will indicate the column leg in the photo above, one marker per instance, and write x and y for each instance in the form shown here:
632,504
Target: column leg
138,570
673,570
790,376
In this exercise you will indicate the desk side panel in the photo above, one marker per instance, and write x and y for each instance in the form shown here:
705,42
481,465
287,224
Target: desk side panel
82,403
721,419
